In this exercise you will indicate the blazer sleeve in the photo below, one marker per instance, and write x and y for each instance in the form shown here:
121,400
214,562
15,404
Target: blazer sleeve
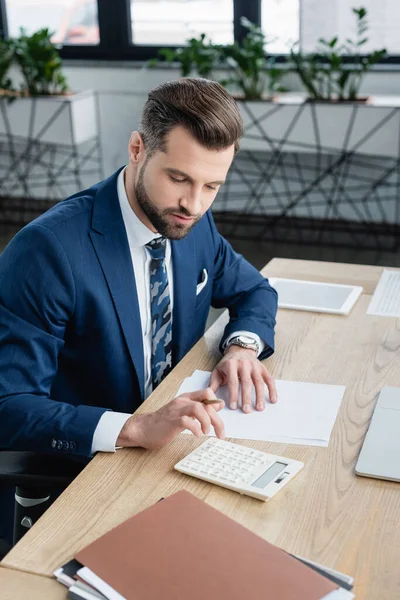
37,299
237,285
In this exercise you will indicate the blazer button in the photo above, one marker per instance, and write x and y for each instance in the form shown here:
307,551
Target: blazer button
72,446
53,443
59,445
65,446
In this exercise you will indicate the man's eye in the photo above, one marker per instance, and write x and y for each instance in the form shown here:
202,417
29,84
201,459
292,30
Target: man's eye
177,180
211,187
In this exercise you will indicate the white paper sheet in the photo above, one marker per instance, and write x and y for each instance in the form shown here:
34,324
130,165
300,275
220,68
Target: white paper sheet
99,584
386,299
304,414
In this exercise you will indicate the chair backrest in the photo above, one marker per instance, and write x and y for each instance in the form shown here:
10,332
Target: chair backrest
38,479
23,468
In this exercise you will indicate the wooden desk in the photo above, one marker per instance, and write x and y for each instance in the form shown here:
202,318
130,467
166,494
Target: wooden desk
17,585
326,513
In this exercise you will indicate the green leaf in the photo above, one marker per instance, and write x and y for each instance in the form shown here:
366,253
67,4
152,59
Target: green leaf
39,62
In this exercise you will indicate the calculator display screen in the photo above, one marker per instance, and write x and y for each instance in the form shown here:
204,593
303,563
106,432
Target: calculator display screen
269,475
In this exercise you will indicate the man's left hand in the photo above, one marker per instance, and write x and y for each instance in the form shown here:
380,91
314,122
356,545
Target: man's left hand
240,367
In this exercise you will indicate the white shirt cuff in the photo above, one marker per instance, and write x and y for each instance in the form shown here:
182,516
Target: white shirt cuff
254,336
107,431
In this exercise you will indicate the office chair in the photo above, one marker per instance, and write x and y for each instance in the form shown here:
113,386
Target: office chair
38,480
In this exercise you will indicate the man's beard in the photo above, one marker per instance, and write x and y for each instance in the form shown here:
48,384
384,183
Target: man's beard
158,218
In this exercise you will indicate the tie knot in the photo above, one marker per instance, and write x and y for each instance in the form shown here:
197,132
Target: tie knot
157,248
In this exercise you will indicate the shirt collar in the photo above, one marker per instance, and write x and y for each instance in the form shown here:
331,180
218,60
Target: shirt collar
137,232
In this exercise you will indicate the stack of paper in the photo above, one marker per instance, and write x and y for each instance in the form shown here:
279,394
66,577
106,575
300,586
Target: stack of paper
304,414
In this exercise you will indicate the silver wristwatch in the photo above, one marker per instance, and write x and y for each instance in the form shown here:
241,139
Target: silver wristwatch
244,341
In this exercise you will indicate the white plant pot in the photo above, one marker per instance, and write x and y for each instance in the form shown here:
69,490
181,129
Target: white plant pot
69,119
369,129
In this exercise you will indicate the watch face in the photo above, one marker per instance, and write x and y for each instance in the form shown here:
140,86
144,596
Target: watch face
246,340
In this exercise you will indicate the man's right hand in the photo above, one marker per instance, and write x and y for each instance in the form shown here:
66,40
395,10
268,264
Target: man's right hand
155,430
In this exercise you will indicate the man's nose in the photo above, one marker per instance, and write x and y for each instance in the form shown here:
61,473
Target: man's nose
191,201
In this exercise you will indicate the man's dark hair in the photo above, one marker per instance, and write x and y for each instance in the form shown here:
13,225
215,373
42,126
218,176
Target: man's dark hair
203,107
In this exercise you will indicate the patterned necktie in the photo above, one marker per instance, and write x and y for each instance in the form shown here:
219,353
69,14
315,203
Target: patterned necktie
161,318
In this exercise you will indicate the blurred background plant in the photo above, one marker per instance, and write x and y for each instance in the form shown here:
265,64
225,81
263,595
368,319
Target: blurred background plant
199,57
336,70
40,63
250,69
6,59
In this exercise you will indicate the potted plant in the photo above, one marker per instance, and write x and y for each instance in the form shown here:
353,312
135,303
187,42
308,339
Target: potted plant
250,71
336,70
329,160
332,77
252,76
49,134
43,108
40,64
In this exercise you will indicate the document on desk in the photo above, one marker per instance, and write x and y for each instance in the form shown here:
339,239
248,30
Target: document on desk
386,299
304,414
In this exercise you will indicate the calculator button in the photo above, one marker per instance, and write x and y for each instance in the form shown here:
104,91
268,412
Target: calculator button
188,464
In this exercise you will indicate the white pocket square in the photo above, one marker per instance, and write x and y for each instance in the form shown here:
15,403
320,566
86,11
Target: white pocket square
202,283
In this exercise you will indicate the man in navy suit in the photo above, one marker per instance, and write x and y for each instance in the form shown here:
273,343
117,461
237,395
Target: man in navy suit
103,294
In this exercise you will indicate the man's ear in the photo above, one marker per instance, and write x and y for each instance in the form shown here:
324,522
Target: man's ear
136,149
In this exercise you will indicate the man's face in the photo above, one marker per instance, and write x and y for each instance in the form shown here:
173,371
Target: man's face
175,188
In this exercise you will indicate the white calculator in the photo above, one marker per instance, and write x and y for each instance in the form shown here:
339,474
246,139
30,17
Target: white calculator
239,468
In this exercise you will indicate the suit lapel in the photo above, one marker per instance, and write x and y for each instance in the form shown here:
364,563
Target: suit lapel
185,279
110,241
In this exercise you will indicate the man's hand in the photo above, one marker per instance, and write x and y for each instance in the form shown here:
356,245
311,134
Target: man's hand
155,430
240,366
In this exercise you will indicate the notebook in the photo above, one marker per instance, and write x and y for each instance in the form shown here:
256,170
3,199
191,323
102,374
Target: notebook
183,548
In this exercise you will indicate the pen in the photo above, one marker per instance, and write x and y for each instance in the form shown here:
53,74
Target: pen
207,401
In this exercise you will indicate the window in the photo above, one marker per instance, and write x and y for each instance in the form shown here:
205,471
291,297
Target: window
280,22
319,18
136,29
72,21
172,22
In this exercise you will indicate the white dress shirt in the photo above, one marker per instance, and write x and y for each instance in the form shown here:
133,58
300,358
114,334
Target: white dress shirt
111,423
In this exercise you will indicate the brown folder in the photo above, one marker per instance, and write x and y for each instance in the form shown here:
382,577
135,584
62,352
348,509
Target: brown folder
182,548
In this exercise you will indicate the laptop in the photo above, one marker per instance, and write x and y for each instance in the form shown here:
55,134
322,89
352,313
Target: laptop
380,452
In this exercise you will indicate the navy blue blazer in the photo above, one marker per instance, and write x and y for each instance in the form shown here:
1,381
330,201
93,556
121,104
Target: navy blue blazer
70,333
